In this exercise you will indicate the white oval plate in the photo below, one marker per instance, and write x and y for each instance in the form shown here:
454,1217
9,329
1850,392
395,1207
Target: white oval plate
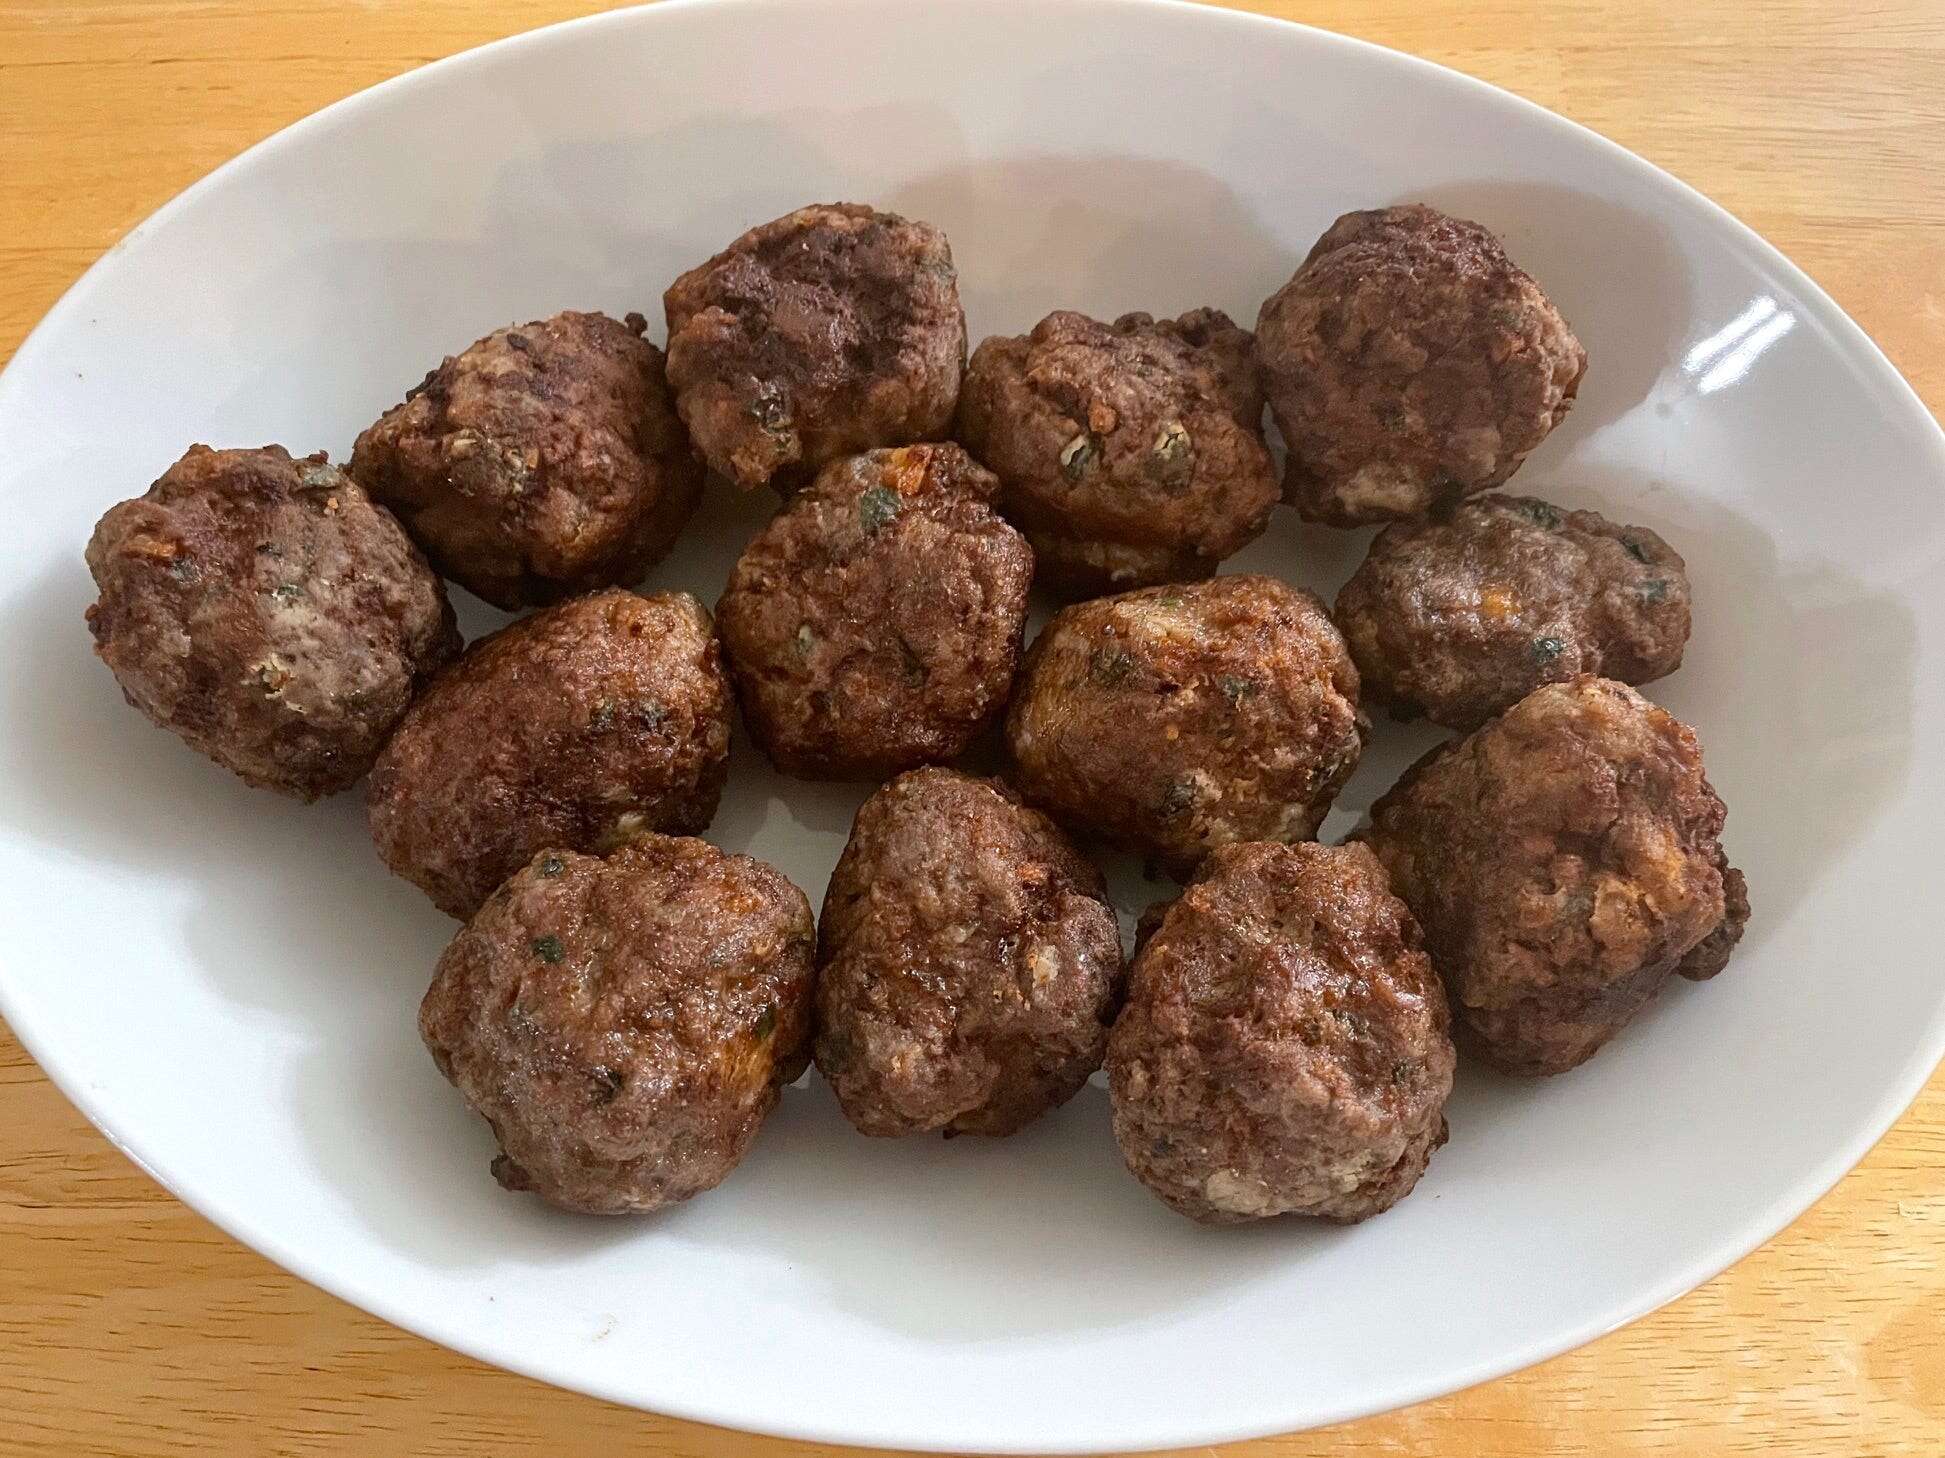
225,982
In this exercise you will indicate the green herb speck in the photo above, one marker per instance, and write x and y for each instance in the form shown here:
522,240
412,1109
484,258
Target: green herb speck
287,592
1077,455
1110,666
805,639
1169,600
1236,689
182,569
1545,650
766,1021
1540,514
878,506
1635,549
1178,797
547,948
603,716
1654,590
552,865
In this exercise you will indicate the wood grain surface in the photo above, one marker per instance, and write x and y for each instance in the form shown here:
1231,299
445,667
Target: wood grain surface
130,1326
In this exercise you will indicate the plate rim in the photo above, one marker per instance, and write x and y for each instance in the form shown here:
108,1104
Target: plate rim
1804,1192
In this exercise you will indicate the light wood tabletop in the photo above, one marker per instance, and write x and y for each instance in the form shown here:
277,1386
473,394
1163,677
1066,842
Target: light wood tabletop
130,1326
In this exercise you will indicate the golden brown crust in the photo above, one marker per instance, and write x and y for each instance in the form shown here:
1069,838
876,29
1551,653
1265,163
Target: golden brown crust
575,727
269,613
1179,718
544,460
626,1023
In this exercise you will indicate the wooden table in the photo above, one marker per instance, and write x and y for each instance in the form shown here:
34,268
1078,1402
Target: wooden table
129,1326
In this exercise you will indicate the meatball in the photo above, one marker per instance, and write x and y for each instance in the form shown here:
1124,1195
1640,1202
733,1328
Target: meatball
1564,862
545,460
875,624
1179,718
830,331
968,965
577,727
1286,1047
269,613
1409,363
625,1023
1459,616
1131,454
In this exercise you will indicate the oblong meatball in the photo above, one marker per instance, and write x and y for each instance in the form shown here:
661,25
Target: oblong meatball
577,727
1564,861
1130,453
269,613
968,962
875,624
1286,1045
832,330
1179,718
625,1023
544,460
1409,363
1460,615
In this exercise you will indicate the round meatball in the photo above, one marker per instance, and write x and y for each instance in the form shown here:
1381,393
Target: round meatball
579,726
1459,616
1176,719
1409,363
1564,862
545,460
269,613
625,1023
968,962
827,332
1131,454
875,624
1286,1047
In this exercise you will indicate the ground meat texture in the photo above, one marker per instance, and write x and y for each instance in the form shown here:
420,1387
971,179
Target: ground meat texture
830,331
545,460
1458,616
969,963
626,1023
1564,861
579,726
1179,718
875,624
267,611
1286,1045
1131,453
1409,363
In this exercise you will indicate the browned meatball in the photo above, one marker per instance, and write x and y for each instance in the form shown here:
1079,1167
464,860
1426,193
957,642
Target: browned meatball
545,460
625,1023
1176,719
1131,454
1564,863
1459,616
269,613
1286,1045
968,962
1408,363
875,624
579,726
830,331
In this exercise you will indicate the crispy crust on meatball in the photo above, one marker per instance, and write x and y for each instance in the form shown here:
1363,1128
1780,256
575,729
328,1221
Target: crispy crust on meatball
1179,718
1130,453
875,624
579,726
544,460
1458,616
1564,861
626,1023
269,613
832,330
969,963
1409,363
1286,1045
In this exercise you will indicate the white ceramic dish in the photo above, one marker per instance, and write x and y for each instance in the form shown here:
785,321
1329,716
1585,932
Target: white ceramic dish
225,982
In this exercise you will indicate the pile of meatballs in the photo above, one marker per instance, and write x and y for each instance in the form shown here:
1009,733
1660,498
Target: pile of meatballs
624,1001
